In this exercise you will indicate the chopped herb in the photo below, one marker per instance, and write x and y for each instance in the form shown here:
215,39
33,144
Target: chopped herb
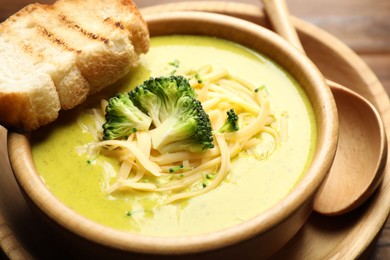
176,168
262,88
131,213
204,185
175,63
210,176
197,76
91,161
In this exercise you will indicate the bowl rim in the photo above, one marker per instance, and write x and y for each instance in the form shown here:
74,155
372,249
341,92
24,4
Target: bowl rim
36,190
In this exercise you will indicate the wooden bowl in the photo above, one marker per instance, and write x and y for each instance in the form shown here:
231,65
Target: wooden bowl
266,233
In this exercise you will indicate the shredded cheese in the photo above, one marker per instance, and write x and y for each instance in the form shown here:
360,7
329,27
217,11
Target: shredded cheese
181,174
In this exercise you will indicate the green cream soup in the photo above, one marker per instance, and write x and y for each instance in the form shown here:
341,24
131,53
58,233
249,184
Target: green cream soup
252,185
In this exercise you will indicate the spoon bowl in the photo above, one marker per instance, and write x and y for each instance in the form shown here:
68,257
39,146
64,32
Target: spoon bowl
361,154
360,157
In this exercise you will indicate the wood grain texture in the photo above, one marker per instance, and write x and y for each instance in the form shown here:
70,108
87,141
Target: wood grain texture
364,25
250,238
11,245
355,173
352,78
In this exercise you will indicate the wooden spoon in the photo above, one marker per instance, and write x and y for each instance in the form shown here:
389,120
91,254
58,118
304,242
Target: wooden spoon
362,148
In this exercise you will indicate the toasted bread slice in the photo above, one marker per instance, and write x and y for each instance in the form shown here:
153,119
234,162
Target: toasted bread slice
102,56
56,60
28,97
82,46
118,29
123,16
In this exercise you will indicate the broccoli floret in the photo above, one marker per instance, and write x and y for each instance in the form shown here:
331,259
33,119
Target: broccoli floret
181,124
123,118
231,123
179,120
157,96
187,129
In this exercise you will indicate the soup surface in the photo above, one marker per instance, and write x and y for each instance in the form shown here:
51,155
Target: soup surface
252,186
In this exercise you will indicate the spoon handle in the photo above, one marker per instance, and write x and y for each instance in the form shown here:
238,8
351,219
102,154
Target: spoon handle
281,23
336,198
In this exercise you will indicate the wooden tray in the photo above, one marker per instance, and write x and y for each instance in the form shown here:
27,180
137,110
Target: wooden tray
346,237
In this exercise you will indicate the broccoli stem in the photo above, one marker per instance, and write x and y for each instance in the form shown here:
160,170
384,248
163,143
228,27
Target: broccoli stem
160,133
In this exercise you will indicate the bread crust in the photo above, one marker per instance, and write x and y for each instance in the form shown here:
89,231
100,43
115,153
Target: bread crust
37,105
10,114
82,45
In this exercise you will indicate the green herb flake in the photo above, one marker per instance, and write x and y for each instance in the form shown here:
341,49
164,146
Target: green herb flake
176,168
175,63
91,161
262,88
210,176
198,77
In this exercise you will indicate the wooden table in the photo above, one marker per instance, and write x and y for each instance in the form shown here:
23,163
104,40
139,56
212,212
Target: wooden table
364,25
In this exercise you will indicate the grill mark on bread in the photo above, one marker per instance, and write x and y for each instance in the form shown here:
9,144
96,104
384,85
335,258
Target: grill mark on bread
28,49
50,36
119,25
116,24
92,59
72,25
